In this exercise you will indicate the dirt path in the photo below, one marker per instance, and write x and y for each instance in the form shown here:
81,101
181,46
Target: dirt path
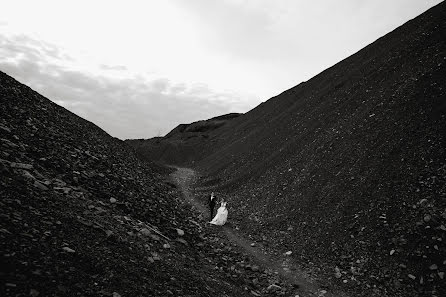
185,177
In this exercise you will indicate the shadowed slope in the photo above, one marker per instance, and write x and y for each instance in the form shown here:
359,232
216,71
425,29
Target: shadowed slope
184,144
81,215
348,169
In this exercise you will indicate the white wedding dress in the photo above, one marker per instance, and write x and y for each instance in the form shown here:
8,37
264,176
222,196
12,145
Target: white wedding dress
221,217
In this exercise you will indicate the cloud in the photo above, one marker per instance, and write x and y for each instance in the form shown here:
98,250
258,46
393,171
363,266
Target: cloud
285,42
232,27
125,107
113,68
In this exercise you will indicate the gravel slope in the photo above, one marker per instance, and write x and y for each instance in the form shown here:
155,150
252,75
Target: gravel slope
348,169
80,215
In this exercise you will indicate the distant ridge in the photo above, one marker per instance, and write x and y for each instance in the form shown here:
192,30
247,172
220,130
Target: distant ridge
185,142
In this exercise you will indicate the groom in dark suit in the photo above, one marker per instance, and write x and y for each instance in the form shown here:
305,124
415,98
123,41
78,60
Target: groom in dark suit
212,203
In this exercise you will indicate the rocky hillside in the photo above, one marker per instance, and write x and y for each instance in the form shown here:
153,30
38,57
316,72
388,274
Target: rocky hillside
184,144
82,216
348,169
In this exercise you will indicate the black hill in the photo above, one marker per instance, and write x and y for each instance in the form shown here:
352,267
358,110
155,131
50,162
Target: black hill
80,215
346,170
185,143
339,182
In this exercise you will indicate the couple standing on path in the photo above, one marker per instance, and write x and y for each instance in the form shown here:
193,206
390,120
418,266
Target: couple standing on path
222,212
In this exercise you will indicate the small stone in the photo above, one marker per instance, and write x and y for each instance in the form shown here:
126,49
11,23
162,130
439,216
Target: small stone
113,200
392,252
427,218
273,288
156,257
28,175
433,267
21,166
181,240
253,244
99,209
64,190
166,246
145,232
40,186
180,232
68,250
411,276
288,253
338,272
441,274
423,202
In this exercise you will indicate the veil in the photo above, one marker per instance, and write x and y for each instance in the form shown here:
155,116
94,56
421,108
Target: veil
222,215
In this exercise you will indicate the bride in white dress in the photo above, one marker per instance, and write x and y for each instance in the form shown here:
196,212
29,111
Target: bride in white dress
222,215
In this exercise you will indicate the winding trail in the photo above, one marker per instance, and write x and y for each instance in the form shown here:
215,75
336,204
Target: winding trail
185,177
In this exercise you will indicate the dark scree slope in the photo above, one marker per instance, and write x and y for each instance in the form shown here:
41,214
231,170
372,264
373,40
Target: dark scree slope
80,215
348,169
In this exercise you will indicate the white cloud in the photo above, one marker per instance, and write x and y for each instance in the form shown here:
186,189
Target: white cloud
140,67
125,107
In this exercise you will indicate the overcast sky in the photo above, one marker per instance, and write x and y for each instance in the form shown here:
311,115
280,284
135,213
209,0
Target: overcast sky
139,68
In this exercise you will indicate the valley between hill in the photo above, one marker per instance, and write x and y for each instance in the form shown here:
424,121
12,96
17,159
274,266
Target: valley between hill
341,180
346,170
81,215
297,282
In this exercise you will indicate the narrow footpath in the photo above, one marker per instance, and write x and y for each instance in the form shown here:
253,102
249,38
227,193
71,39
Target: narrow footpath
184,178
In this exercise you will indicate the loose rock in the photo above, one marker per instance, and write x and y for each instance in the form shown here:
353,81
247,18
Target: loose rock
40,186
273,288
21,166
433,267
145,232
68,250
